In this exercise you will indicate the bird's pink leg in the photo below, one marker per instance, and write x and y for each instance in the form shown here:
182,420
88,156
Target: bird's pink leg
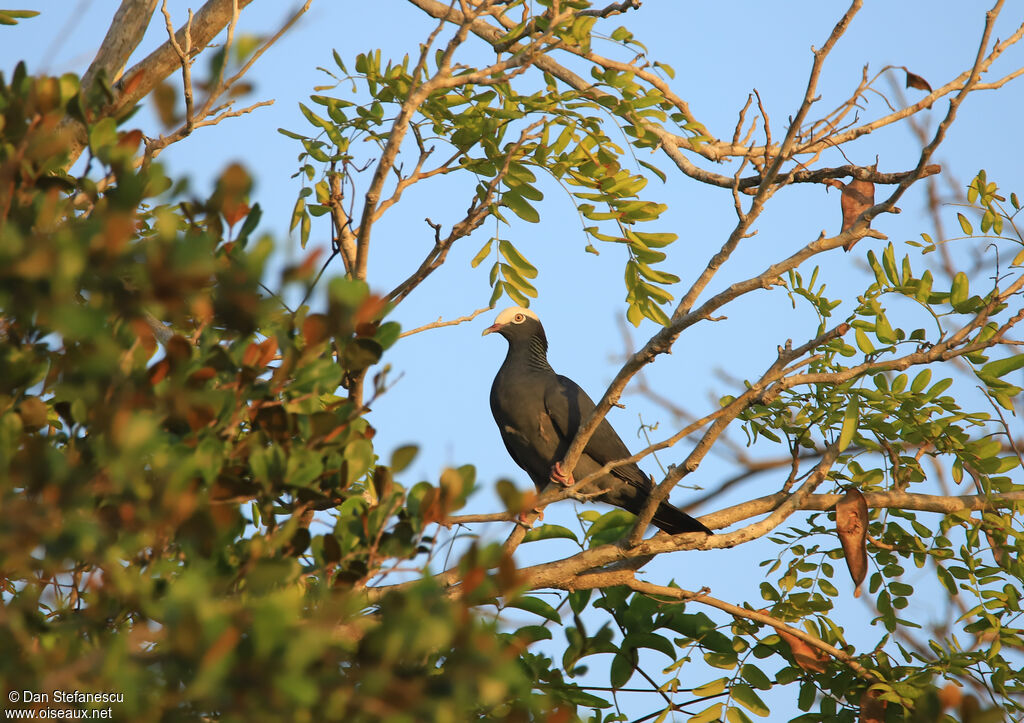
558,476
522,517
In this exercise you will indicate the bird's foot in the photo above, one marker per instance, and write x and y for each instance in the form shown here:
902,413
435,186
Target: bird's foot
558,476
523,518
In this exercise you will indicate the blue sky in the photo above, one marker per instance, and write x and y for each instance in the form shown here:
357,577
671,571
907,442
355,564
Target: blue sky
721,52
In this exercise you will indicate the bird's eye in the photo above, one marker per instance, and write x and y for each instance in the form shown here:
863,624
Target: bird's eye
519,318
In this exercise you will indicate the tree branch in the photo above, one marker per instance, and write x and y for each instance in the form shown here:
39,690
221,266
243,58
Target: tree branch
437,324
123,37
142,77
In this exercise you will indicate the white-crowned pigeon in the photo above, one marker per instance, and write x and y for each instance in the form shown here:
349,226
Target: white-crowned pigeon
538,413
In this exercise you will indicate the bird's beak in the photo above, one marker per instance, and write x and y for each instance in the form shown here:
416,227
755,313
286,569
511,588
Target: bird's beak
491,328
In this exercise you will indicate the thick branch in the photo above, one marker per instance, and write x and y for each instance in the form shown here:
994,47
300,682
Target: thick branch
142,77
123,36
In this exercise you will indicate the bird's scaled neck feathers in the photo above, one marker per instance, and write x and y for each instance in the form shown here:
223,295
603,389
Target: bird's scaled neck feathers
533,351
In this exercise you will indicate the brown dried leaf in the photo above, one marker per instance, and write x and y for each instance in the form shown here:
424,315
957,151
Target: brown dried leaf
852,526
807,657
916,81
508,576
998,543
165,98
872,708
332,549
858,196
382,482
179,350
33,411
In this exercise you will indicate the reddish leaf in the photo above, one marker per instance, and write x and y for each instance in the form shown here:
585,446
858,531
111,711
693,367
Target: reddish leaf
158,371
369,312
232,188
852,526
431,506
234,211
259,355
314,329
199,416
950,696
130,139
200,376
472,578
309,265
133,83
145,336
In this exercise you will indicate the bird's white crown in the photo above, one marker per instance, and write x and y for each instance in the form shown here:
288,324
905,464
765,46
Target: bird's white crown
511,314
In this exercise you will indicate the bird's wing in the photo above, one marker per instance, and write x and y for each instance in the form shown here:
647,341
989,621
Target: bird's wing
567,404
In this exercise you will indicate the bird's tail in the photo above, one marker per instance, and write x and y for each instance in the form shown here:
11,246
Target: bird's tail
674,521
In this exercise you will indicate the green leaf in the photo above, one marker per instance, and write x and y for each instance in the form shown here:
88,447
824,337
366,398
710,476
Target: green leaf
808,693
1002,367
863,343
550,532
573,694
103,134
520,207
709,714
961,289
745,696
621,670
650,640
655,170
924,287
713,687
402,457
965,224
939,387
537,607
889,264
304,230
850,419
921,381
755,676
482,254
517,260
883,330
515,294
736,715
659,277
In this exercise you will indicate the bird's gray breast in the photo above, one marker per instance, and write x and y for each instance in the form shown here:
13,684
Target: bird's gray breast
518,407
